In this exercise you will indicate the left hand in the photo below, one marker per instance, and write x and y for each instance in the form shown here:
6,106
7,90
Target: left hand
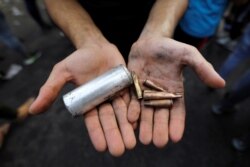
162,61
107,124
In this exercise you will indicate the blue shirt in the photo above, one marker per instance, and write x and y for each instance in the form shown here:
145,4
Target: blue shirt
202,17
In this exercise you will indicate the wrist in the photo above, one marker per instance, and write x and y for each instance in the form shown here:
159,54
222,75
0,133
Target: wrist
164,17
89,38
149,32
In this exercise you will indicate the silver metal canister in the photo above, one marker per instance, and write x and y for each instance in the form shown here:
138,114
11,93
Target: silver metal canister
98,90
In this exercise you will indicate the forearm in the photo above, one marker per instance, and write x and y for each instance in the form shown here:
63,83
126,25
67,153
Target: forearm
74,21
164,17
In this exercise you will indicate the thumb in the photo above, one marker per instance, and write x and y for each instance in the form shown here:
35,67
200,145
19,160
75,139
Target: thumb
205,70
50,90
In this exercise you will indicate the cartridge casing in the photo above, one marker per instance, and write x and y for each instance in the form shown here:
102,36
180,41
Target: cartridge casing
152,85
137,86
98,90
153,95
159,103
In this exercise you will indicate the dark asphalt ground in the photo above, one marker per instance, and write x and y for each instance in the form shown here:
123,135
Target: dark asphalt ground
57,139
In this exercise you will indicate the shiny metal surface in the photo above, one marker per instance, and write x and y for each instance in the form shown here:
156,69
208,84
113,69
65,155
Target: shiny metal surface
98,90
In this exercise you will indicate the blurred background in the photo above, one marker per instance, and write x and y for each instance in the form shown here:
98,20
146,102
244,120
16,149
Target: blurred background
216,134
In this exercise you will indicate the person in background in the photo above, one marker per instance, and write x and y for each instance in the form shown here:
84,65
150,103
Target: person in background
240,91
238,56
235,22
201,20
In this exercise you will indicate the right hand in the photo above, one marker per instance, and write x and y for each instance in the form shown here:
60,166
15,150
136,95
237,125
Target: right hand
84,64
162,60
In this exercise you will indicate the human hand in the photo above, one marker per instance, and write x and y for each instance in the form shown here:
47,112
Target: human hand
162,60
102,122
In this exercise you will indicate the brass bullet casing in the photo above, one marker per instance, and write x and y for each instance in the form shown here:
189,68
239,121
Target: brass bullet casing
159,103
152,85
178,93
148,91
137,85
153,95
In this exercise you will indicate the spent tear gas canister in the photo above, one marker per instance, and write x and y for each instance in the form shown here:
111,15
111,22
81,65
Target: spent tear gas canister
98,90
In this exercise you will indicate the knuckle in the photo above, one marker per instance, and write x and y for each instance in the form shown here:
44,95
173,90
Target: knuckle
110,130
113,46
106,112
57,67
119,107
193,49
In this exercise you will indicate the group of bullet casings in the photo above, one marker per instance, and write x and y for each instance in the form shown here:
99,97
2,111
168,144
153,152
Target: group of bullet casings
155,96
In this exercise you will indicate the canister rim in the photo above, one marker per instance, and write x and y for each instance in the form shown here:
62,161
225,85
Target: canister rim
127,72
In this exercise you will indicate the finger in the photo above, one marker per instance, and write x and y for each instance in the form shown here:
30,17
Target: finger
160,131
146,125
111,131
50,90
95,130
134,125
204,70
177,120
133,109
126,98
126,128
